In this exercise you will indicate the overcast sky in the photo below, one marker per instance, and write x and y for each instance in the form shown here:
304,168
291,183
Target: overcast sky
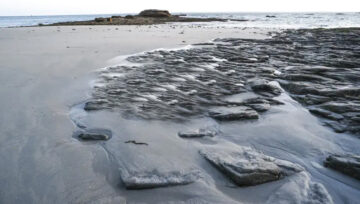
58,7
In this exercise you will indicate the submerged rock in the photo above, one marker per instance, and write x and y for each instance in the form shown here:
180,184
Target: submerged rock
347,164
94,134
300,189
155,179
246,166
234,113
197,133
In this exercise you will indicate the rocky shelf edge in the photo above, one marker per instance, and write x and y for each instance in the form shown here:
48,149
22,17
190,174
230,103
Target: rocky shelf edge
146,17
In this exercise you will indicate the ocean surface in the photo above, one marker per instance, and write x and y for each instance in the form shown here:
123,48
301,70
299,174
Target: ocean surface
261,20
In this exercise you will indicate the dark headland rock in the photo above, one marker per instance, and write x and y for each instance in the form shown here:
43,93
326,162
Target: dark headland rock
347,164
155,13
247,167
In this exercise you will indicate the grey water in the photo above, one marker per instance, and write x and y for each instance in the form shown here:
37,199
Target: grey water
261,20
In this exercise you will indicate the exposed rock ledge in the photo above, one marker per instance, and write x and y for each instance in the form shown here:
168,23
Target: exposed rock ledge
146,17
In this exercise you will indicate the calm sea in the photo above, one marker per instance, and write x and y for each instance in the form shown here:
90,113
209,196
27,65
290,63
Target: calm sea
267,20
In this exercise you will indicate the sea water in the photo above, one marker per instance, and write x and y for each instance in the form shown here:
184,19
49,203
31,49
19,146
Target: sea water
259,20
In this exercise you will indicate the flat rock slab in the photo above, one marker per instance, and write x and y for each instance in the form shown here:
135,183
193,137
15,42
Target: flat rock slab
155,179
300,189
347,164
246,166
233,113
93,134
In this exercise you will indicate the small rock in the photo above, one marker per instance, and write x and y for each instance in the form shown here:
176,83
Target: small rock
197,133
260,85
94,134
235,113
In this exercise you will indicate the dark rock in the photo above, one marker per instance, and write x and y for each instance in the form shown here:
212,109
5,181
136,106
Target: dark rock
95,105
129,17
246,166
100,19
347,164
155,13
93,134
235,113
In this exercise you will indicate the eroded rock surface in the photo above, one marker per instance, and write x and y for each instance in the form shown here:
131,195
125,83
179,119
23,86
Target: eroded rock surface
347,164
246,166
179,84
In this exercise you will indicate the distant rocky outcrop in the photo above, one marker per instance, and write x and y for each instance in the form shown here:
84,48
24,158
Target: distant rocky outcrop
155,13
145,17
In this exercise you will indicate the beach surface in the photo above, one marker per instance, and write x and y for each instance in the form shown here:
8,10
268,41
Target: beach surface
44,72
46,75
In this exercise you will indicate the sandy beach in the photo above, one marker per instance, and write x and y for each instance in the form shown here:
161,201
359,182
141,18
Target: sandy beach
44,72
